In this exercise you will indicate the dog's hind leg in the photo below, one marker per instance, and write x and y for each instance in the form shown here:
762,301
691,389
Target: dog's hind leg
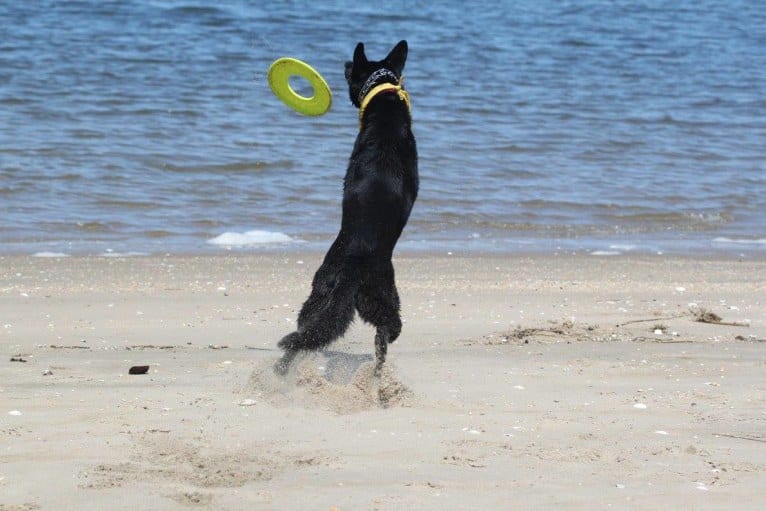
322,286
381,348
378,304
325,316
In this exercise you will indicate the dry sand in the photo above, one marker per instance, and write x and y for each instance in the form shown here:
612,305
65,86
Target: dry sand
566,382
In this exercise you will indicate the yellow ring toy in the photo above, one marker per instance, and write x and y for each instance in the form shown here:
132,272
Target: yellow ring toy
280,72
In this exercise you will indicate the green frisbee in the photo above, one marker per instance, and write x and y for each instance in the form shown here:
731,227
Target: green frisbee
280,72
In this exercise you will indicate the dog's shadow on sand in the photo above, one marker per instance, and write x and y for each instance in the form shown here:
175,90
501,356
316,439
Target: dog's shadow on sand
341,367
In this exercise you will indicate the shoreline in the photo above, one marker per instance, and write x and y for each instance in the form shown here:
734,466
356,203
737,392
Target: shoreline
259,242
541,380
757,255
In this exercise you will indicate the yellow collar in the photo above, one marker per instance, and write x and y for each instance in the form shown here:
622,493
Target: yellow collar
403,95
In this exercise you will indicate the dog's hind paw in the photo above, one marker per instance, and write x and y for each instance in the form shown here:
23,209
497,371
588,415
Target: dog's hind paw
283,364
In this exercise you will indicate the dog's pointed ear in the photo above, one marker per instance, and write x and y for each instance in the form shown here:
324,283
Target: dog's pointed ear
397,57
360,58
359,62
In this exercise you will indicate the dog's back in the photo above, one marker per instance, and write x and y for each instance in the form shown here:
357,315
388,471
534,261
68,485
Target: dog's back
380,188
381,182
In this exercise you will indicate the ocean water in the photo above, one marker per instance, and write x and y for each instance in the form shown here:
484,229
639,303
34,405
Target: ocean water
599,126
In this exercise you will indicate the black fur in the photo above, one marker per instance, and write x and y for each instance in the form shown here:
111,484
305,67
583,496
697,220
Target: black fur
379,190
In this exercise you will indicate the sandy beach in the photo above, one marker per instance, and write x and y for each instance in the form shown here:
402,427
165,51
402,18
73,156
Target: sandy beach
567,382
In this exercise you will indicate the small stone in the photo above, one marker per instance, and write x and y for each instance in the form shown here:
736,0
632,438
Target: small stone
138,370
47,372
640,406
247,402
15,413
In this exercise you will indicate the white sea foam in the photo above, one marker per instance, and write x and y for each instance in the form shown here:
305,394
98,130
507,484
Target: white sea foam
50,254
110,253
626,247
741,241
605,253
241,239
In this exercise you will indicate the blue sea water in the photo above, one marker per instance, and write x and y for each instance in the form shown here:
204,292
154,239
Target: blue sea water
603,126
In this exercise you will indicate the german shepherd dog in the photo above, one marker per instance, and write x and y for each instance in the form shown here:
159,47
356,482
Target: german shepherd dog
379,190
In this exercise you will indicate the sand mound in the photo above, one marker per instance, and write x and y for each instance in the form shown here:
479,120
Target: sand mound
333,381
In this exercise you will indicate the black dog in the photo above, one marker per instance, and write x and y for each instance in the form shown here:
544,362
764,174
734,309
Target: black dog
379,190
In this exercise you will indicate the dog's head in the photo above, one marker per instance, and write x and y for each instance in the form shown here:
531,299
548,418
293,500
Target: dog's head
362,74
